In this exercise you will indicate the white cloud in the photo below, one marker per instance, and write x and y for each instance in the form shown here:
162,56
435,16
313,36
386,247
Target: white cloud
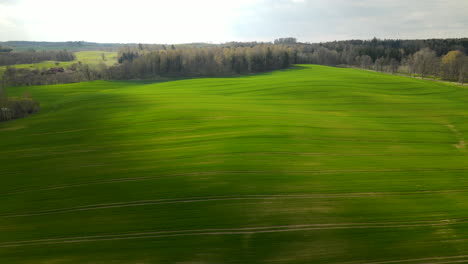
178,21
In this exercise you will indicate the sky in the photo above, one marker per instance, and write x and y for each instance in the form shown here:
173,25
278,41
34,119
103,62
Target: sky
217,21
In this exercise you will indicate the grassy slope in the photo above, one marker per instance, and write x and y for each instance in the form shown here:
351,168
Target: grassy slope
87,57
336,165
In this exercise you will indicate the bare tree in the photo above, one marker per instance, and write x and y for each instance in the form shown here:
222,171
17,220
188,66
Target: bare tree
393,67
424,62
464,71
379,64
365,61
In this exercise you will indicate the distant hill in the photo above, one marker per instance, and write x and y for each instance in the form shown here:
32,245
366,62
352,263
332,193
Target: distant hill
69,45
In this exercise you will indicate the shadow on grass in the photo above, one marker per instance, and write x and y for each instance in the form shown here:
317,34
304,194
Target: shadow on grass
163,79
180,78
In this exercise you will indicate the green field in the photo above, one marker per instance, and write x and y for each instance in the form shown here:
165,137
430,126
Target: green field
86,57
308,165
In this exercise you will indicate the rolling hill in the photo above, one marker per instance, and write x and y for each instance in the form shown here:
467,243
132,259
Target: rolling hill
308,165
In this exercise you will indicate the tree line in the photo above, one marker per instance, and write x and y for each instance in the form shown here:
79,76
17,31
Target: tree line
154,62
12,108
77,72
11,58
443,59
436,58
206,61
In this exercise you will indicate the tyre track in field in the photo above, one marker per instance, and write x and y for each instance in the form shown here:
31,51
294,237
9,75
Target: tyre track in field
230,231
447,262
148,178
439,260
219,198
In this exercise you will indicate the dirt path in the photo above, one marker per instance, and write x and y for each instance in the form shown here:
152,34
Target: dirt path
413,77
461,145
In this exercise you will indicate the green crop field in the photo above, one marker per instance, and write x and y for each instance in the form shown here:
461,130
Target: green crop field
86,57
307,165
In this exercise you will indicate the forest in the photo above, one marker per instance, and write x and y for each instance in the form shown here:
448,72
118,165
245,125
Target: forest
190,61
8,57
443,59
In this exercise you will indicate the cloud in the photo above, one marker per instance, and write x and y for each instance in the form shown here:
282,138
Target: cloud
179,21
324,20
11,26
8,2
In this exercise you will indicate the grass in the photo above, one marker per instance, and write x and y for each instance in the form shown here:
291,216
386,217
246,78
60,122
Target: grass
309,165
86,57
95,57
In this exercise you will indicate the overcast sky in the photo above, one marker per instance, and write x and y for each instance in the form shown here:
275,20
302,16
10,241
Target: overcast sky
183,21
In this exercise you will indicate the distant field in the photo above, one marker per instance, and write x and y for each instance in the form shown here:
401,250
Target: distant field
309,165
95,57
87,57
